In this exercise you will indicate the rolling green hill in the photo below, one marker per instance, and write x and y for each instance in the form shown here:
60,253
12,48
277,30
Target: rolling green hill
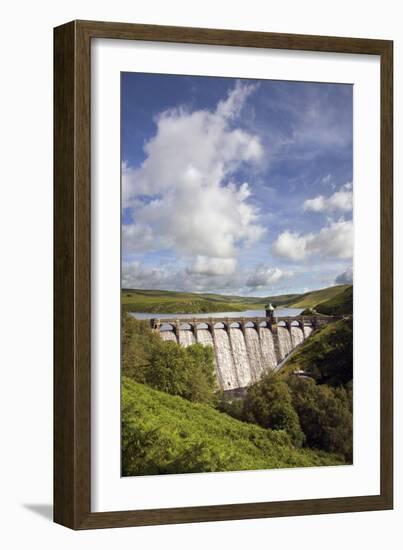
167,301
341,304
155,301
315,297
164,434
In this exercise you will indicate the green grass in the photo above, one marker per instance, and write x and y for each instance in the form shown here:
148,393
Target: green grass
341,304
327,355
166,301
312,299
164,434
132,301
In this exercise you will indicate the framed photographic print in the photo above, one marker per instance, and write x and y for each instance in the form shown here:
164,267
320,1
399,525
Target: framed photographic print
222,275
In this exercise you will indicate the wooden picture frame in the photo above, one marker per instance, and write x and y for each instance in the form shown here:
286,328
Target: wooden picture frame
72,270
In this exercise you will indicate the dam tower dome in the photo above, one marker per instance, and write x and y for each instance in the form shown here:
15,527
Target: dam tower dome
269,312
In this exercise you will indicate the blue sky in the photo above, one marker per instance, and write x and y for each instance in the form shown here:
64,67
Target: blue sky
235,186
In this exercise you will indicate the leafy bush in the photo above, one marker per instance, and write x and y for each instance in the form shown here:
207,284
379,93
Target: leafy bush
269,404
233,407
188,372
325,415
318,416
201,381
138,343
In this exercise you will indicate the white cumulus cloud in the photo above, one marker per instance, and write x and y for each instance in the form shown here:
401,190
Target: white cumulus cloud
265,277
137,275
346,277
183,195
341,200
219,275
332,241
204,265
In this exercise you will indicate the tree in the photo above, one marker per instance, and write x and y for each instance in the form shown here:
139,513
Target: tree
325,415
138,343
201,378
269,404
188,372
166,366
168,369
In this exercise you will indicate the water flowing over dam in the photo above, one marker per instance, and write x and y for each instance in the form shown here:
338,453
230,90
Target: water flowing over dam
244,348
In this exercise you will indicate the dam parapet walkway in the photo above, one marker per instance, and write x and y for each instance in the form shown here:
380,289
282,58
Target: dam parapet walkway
175,324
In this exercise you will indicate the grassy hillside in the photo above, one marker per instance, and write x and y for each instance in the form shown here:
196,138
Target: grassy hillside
164,434
278,300
327,355
165,301
315,297
179,302
341,304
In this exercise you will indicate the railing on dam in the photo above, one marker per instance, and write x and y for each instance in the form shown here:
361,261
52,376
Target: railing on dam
244,347
240,322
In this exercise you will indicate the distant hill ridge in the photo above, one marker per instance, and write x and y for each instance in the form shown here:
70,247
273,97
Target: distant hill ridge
341,304
168,301
315,297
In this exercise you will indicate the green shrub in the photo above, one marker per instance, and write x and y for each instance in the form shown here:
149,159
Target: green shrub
232,407
325,415
269,404
138,343
188,372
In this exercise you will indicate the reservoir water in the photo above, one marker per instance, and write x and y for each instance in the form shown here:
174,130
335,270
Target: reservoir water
279,312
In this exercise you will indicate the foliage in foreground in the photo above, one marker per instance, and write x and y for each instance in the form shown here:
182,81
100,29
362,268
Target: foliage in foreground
269,404
164,434
187,372
317,415
282,416
325,415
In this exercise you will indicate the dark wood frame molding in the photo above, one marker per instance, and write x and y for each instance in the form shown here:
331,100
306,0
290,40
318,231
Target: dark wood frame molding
72,320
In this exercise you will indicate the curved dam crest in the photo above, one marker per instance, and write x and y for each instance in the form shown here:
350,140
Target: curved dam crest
244,348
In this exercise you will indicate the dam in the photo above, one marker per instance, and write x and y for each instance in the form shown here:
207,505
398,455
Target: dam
244,348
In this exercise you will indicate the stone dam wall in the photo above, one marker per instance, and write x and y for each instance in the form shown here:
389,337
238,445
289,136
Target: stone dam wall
244,349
